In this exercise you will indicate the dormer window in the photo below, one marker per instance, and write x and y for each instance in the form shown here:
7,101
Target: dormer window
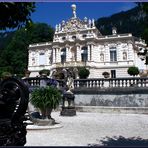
73,37
114,31
63,38
84,35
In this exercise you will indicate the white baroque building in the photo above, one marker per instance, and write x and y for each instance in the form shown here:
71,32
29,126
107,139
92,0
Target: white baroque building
79,43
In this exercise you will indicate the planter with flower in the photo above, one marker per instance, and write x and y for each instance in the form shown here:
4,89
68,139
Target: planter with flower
45,99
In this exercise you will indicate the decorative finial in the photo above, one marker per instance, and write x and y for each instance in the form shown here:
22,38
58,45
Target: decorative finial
114,31
85,19
89,23
73,6
59,27
63,23
93,23
56,28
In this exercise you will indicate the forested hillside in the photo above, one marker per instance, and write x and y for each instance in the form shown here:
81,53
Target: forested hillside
14,46
131,21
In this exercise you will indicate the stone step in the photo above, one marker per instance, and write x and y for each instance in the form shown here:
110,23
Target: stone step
103,109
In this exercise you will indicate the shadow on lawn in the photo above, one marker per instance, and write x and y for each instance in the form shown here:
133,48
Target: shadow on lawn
121,141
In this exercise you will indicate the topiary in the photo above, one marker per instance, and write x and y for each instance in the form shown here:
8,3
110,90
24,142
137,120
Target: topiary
83,73
133,71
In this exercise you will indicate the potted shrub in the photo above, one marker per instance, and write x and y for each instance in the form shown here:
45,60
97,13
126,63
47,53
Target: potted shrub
46,99
106,74
133,71
83,73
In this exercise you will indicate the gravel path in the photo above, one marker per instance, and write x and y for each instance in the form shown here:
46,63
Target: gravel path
89,128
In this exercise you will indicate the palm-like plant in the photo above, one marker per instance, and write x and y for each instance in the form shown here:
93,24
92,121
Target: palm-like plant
46,99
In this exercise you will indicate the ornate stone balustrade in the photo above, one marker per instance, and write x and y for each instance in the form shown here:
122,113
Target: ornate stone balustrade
96,83
111,83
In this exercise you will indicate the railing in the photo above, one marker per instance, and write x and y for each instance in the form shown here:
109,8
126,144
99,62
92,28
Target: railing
111,83
34,82
95,83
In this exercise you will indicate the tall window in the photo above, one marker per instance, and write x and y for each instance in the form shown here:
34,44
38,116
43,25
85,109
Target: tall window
113,54
63,55
42,58
113,73
84,54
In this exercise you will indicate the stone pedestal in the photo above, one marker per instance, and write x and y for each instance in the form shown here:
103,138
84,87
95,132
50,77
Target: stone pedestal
68,111
68,107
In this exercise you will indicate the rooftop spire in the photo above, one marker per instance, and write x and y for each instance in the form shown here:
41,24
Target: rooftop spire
73,6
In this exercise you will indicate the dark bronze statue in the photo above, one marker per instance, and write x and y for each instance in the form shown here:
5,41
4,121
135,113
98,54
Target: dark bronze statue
14,96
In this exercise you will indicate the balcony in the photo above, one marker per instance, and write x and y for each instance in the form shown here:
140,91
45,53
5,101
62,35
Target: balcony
71,64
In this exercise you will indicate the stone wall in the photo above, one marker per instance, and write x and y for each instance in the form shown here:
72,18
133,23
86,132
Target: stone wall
111,100
117,100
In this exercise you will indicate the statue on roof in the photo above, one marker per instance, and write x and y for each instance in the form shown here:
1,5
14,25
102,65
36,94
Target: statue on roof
74,10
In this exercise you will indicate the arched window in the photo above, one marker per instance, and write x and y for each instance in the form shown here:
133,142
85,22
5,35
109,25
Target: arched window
63,55
84,54
113,54
42,59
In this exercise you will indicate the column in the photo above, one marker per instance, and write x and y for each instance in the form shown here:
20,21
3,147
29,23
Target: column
67,54
78,53
88,53
58,56
91,47
54,55
130,52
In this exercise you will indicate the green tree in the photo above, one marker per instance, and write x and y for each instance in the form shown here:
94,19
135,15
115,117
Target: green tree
130,21
40,32
133,71
15,14
83,73
16,53
144,7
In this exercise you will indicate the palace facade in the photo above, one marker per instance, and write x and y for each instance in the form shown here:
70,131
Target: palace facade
79,43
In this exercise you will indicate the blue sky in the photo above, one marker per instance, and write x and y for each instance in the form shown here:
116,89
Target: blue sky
53,13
